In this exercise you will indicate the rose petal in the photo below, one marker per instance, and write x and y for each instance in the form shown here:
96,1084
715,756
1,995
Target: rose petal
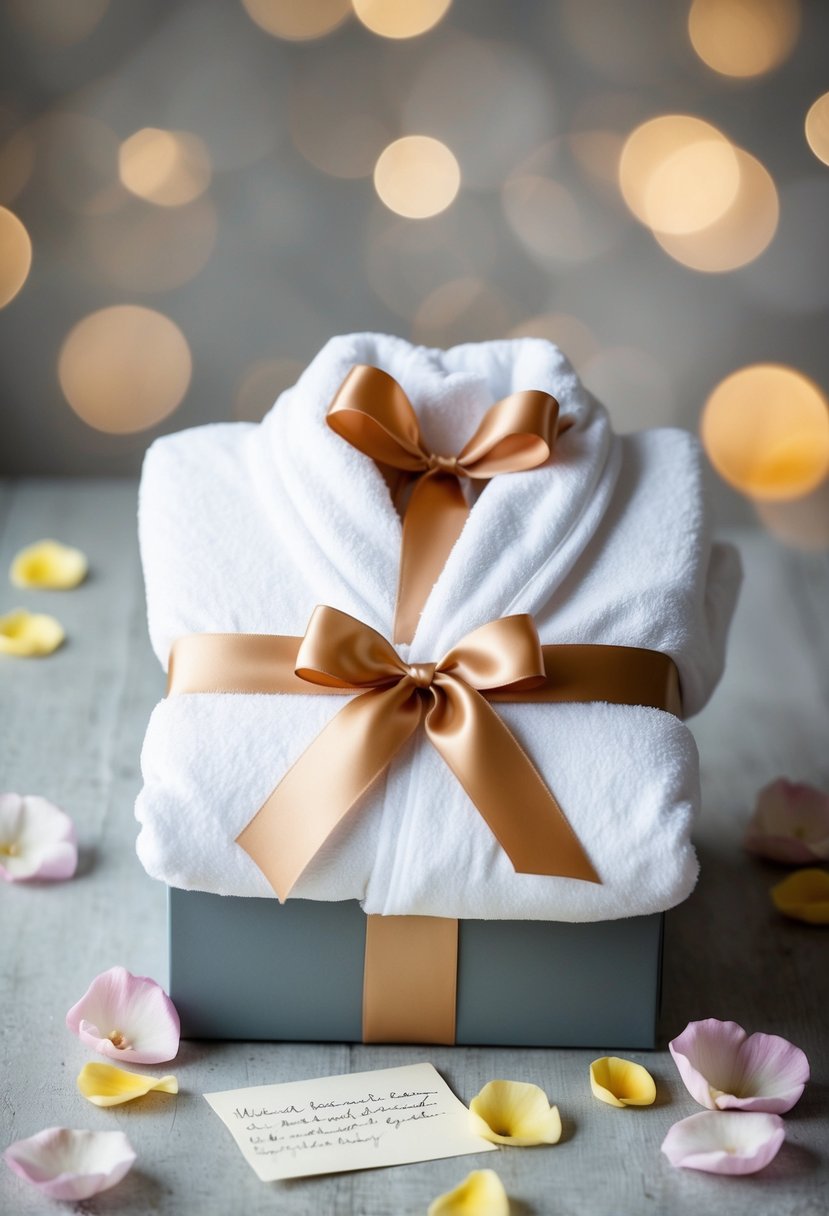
68,1164
480,1194
723,1067
49,565
106,1085
515,1112
724,1143
804,896
126,1017
37,839
790,823
28,634
621,1082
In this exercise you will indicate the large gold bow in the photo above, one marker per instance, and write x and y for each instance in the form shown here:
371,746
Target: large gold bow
343,654
372,412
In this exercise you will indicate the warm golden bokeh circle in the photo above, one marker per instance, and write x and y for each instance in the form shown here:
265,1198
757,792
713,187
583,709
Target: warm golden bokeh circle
15,256
417,176
678,174
169,168
766,431
298,20
743,37
125,368
741,234
817,128
400,18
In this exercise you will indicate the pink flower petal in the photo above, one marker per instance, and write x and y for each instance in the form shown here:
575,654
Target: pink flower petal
68,1164
37,840
724,1143
127,1017
790,823
724,1068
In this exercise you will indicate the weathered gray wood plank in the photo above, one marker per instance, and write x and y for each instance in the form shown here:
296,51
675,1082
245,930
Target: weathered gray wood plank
71,728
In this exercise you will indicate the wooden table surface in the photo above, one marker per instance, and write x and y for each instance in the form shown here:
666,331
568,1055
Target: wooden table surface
71,728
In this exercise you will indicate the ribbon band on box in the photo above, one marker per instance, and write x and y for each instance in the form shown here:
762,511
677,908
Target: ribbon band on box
502,660
372,413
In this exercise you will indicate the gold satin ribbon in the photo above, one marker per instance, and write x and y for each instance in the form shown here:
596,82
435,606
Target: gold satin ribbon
502,660
372,413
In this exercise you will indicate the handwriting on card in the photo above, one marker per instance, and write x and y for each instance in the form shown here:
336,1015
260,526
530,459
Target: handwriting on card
357,1121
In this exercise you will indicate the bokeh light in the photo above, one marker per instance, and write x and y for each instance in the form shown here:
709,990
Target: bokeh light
261,384
741,234
15,256
417,176
462,310
124,368
766,431
743,37
678,174
169,168
400,18
61,22
817,128
146,248
298,20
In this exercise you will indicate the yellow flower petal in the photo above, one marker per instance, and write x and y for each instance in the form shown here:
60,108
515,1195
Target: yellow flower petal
49,564
480,1194
106,1085
621,1082
515,1112
26,634
804,895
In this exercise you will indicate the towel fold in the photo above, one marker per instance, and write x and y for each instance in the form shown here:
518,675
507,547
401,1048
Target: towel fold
247,528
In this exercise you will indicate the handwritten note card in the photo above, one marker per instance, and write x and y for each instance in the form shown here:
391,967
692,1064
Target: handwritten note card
356,1122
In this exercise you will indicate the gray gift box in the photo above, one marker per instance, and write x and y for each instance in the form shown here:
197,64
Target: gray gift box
257,969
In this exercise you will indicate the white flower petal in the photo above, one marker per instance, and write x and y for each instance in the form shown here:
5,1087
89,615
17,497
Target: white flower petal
68,1164
37,839
725,1142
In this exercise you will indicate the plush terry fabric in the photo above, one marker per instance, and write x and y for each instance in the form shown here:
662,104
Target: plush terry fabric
246,528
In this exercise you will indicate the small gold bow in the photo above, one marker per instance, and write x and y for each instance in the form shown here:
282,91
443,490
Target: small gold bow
394,698
372,412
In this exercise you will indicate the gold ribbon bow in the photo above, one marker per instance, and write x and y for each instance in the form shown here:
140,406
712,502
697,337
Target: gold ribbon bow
372,412
340,653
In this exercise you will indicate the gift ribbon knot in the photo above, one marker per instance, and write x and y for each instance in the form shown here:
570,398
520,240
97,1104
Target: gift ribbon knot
372,412
393,699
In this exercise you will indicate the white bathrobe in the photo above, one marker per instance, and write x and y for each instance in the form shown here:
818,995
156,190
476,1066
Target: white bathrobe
245,528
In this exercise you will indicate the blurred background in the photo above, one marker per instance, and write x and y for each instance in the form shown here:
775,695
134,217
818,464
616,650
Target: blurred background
196,194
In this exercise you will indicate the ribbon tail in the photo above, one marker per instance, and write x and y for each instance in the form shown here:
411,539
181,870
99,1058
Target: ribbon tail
329,777
504,785
434,520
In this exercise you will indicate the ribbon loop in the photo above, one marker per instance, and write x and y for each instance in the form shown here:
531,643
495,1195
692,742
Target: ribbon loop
372,412
361,740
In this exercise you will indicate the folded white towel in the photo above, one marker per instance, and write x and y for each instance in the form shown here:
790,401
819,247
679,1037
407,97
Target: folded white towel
246,528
